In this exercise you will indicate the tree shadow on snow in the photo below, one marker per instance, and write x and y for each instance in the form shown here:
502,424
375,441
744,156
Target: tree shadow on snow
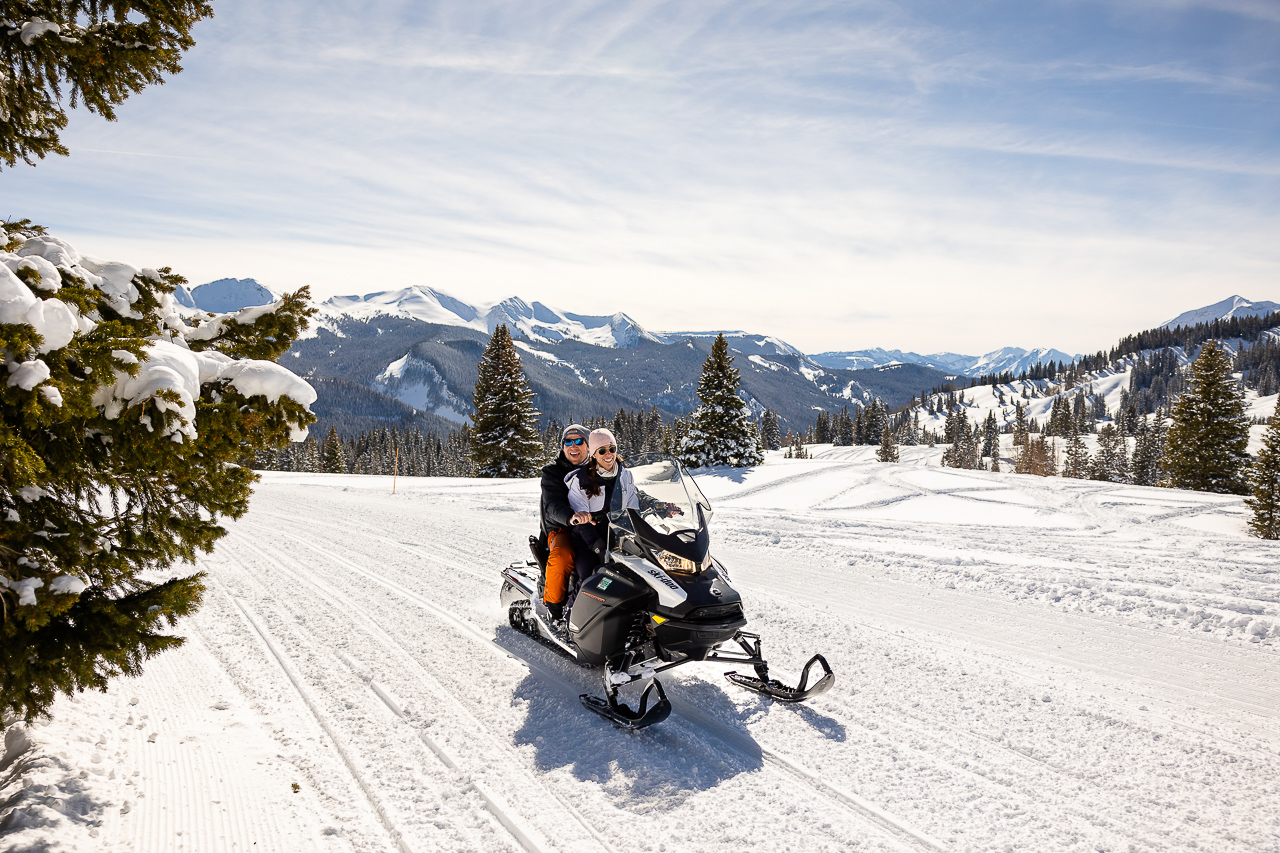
697,748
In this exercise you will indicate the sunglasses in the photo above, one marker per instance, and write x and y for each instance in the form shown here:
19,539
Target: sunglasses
611,448
574,441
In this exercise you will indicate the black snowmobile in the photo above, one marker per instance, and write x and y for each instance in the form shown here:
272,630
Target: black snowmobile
659,600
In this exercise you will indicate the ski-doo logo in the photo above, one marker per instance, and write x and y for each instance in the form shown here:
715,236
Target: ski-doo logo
662,578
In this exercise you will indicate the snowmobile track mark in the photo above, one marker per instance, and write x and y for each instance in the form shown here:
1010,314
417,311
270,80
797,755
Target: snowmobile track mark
503,812
281,659
884,823
900,832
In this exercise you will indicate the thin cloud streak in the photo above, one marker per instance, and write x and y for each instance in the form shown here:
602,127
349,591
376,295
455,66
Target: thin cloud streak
702,160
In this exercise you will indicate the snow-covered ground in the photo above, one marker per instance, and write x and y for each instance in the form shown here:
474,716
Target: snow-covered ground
1022,663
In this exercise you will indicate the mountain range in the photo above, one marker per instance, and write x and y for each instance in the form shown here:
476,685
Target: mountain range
408,357
1232,306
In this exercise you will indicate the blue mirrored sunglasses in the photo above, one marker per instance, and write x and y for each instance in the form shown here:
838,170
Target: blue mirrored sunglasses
574,441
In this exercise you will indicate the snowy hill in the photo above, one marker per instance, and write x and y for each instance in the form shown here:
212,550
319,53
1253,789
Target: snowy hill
534,322
1021,664
1232,306
1012,359
225,295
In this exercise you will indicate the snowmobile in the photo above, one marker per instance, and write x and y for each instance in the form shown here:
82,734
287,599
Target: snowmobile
659,600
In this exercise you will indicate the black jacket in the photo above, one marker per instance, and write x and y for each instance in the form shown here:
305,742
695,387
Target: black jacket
554,510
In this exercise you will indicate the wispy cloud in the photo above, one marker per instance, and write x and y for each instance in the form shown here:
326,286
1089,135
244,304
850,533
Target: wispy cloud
728,163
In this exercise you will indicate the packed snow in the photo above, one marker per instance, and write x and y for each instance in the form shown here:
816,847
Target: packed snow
1022,664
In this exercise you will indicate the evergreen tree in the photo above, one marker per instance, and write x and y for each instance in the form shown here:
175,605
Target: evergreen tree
505,441
722,432
98,52
888,451
1148,450
876,420
770,435
335,455
844,431
822,429
1264,484
114,465
1112,462
1206,448
1075,456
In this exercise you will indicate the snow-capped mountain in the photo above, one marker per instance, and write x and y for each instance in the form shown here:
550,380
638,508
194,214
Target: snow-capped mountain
997,361
536,322
1232,306
225,295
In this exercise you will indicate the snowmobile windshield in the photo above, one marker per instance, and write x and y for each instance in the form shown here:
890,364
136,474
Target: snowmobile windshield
668,496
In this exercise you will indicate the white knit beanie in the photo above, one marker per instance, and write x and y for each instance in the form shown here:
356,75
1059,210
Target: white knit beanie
600,438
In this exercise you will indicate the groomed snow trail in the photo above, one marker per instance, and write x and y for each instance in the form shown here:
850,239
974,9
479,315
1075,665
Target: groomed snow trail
1021,664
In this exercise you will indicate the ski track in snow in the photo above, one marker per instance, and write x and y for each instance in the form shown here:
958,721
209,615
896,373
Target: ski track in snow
1021,664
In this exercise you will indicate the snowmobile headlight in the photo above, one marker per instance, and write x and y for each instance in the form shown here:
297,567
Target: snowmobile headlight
676,563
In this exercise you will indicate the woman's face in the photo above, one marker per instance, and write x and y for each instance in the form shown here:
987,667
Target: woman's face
607,456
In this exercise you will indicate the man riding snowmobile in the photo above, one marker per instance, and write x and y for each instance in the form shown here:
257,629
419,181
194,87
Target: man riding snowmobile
659,600
555,542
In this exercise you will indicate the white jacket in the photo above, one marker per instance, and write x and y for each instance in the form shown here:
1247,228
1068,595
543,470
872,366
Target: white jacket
580,502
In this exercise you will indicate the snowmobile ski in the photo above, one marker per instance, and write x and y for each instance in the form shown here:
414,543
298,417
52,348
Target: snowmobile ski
621,714
775,689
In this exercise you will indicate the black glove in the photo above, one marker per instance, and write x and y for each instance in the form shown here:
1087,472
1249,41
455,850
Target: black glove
556,610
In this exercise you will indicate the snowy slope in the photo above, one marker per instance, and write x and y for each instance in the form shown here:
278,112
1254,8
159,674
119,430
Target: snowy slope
1232,306
536,322
1023,664
1037,397
1012,359
226,295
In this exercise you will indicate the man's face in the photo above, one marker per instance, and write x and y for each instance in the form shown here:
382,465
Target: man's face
575,453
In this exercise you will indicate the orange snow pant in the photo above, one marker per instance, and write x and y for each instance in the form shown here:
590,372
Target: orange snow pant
559,567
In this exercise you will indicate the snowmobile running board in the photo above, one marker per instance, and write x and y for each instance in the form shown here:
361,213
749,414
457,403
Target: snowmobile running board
622,716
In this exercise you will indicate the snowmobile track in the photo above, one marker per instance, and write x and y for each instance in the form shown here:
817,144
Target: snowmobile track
528,837
356,775
895,831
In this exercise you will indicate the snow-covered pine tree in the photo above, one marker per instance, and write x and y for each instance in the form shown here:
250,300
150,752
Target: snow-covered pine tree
1206,448
1264,483
722,432
770,434
334,453
1148,450
1020,428
843,430
98,52
821,428
122,426
1075,456
505,441
877,418
888,450
1112,462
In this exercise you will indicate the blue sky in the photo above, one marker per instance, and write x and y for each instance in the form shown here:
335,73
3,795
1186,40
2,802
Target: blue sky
923,175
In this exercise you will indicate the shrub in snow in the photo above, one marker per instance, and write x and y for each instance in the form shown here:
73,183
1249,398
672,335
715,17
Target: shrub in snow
97,51
123,422
722,432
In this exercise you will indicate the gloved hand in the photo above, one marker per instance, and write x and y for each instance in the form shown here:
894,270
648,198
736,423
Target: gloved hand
556,610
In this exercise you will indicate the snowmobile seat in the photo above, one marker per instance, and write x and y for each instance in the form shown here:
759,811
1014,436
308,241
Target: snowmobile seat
540,551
